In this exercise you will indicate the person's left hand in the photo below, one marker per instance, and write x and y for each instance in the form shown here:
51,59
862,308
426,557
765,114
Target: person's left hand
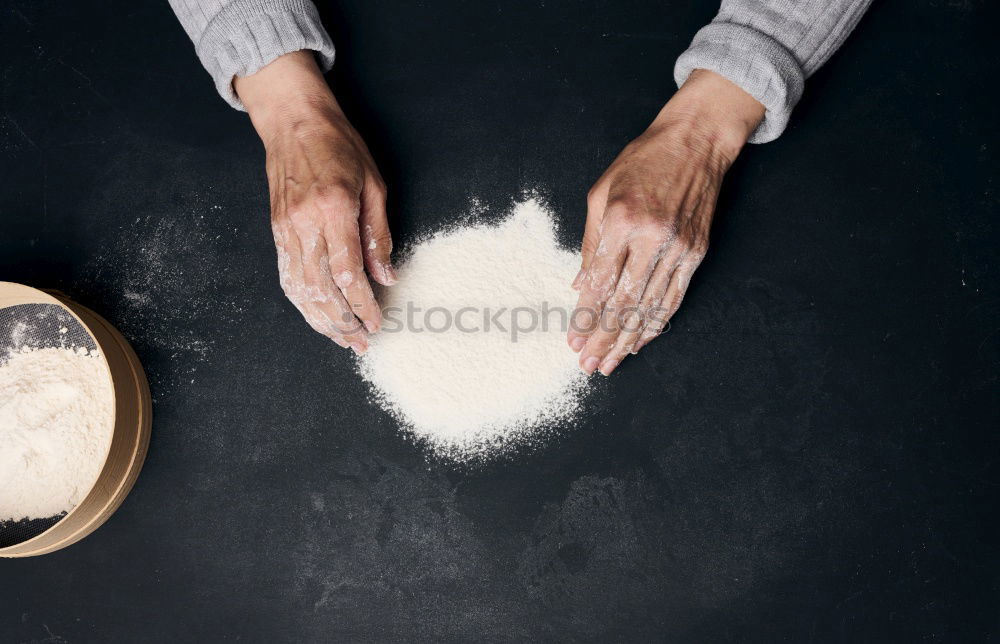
648,219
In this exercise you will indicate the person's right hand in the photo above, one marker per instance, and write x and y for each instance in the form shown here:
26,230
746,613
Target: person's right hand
327,199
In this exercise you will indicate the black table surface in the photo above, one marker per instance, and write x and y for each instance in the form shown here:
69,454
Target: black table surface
810,454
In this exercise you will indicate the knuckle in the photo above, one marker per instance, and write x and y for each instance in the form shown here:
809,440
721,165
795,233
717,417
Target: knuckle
592,199
656,323
341,273
343,276
625,296
651,332
620,212
343,251
656,316
630,319
665,232
299,214
630,217
338,197
600,284
699,250
344,257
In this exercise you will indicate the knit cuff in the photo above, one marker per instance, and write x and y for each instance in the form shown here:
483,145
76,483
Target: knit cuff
248,34
753,61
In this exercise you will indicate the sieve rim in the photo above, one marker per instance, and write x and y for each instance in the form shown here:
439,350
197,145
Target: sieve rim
132,407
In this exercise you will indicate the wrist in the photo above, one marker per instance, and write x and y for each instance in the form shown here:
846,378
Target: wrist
286,95
714,110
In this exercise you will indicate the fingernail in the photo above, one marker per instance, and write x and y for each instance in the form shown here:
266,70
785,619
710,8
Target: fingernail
389,274
590,364
371,326
608,366
359,348
578,279
578,343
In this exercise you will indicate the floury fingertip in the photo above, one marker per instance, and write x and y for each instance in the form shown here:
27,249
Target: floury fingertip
389,276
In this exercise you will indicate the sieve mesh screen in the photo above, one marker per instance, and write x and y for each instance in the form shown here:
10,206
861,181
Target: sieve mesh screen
37,326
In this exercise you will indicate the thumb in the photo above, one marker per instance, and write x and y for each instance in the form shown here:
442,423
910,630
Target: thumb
376,242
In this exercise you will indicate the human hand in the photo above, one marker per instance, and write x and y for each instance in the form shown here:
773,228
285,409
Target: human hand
649,215
327,200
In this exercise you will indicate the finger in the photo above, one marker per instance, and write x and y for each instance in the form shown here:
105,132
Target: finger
346,267
622,311
333,313
376,242
652,295
595,290
320,322
324,295
292,280
291,276
672,298
596,201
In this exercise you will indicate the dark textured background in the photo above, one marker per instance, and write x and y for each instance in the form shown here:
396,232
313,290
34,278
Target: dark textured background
809,455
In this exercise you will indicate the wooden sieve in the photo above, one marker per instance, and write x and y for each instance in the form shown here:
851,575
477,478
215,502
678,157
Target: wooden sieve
132,423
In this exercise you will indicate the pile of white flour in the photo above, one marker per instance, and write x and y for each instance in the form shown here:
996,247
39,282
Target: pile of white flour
56,422
472,356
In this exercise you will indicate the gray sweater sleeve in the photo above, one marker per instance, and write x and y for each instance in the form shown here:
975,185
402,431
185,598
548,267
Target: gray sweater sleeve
769,48
238,37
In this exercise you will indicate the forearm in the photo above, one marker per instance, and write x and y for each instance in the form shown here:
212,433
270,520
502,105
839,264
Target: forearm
769,48
236,38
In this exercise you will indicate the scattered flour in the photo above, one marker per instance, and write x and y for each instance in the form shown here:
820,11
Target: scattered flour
56,422
473,383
